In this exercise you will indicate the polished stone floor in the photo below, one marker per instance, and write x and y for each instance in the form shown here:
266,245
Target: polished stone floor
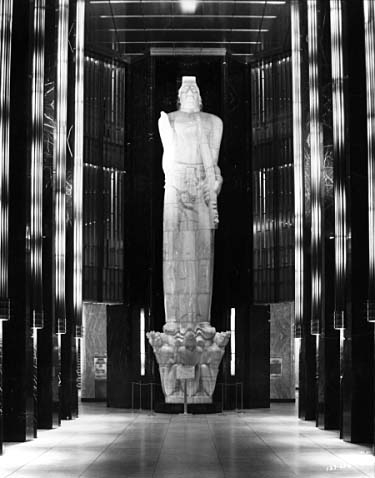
112,443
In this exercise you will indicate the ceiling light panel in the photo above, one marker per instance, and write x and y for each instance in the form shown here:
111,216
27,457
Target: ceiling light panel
134,26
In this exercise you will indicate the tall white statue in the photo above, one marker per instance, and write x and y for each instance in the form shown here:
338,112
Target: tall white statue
191,141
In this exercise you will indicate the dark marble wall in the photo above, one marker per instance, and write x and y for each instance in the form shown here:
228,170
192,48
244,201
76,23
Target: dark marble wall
257,359
123,354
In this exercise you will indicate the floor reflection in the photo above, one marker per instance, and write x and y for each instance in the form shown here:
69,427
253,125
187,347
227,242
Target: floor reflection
112,443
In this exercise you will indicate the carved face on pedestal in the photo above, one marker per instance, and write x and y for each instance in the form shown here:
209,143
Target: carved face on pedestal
189,96
190,342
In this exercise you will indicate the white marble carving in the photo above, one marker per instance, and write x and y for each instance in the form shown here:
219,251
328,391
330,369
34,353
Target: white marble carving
191,141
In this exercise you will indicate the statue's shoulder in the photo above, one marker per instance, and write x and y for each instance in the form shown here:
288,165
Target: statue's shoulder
211,119
173,114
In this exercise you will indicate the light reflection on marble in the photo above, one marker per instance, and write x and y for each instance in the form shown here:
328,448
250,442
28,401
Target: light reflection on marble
260,443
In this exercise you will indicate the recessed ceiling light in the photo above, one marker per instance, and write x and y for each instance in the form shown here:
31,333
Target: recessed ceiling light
263,17
189,6
243,2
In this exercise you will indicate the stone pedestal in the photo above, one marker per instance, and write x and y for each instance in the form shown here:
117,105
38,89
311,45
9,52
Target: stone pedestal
200,349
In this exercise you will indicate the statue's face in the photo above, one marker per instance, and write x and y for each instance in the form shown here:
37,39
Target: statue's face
189,96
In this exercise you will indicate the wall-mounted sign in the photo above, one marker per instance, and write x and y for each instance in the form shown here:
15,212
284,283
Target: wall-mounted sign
100,367
185,372
276,367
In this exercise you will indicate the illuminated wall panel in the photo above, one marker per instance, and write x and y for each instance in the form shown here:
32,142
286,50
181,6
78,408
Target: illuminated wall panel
272,183
142,342
113,234
59,164
6,7
78,167
339,152
369,11
233,342
298,165
104,180
316,153
37,105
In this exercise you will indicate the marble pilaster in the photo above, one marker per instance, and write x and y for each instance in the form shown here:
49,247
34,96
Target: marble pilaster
18,378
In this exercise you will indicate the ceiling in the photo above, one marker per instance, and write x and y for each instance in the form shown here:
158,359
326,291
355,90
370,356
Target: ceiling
131,28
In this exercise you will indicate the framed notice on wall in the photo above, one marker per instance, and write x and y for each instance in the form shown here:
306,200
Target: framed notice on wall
276,367
100,367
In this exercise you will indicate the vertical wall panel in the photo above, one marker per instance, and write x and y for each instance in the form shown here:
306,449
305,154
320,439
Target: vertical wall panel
104,181
272,184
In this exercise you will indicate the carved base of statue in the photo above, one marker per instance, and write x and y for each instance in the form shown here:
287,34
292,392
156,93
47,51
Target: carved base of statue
198,351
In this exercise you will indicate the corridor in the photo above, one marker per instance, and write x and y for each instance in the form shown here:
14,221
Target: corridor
114,443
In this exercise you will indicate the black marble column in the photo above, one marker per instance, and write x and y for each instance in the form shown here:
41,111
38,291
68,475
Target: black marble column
328,386
357,382
369,18
5,59
48,342
307,357
19,406
1,390
69,391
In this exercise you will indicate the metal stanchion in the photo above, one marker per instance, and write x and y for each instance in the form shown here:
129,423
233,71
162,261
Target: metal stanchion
222,397
185,397
235,385
132,396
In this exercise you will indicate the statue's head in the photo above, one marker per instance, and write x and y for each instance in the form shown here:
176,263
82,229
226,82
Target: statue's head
189,98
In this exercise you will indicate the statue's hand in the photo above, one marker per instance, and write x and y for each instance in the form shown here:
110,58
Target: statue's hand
165,128
217,186
164,118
